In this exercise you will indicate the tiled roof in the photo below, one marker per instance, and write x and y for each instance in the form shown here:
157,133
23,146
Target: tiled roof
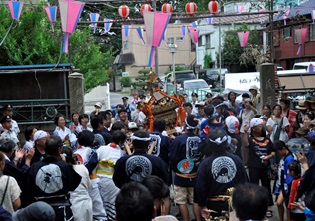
302,9
249,19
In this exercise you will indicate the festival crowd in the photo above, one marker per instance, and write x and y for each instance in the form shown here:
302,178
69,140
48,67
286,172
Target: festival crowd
108,166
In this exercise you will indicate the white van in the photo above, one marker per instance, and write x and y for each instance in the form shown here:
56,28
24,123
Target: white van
302,65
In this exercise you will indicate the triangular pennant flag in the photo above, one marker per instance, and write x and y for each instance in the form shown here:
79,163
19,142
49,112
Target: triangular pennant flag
94,17
70,12
107,24
155,26
125,32
15,9
139,32
51,12
209,20
193,34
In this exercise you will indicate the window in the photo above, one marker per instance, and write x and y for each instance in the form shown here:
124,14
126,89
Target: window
312,32
200,41
276,38
170,41
296,27
286,33
126,45
179,39
208,44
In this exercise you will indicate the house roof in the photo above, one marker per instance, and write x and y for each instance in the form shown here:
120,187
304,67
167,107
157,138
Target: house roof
302,9
249,19
127,58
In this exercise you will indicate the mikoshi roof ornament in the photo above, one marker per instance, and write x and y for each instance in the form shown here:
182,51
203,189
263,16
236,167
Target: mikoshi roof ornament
155,26
51,12
300,34
70,12
15,8
94,17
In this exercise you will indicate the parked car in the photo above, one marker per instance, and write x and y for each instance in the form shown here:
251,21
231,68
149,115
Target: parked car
302,65
212,76
199,86
181,76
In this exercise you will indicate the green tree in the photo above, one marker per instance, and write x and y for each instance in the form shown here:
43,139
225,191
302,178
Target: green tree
142,80
233,54
31,41
207,61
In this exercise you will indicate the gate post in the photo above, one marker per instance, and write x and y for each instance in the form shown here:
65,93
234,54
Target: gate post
267,85
76,92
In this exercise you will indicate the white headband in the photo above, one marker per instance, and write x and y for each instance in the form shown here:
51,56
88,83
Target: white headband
133,137
188,127
219,140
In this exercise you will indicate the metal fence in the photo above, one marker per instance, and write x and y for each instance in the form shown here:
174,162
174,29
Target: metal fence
38,111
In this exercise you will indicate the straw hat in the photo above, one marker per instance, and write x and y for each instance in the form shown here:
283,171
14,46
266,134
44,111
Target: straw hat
308,103
301,105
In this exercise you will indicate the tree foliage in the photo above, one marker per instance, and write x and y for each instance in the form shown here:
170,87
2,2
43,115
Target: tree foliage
233,54
31,41
207,61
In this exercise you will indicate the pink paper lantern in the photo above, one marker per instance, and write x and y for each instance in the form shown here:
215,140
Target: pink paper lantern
167,8
123,11
243,38
155,26
191,8
300,38
213,7
145,7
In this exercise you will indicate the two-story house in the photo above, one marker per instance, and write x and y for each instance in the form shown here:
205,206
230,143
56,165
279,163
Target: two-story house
135,54
285,42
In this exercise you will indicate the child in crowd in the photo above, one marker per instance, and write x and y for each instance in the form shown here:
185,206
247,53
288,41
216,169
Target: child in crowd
295,204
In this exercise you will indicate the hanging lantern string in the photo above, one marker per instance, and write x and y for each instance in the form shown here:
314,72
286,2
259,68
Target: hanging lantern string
183,17
7,33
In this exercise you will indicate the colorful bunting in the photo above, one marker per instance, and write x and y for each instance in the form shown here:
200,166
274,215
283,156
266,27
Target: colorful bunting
155,26
300,38
193,34
51,12
139,32
15,9
70,12
94,17
194,24
243,38
107,24
285,16
239,9
125,33
210,20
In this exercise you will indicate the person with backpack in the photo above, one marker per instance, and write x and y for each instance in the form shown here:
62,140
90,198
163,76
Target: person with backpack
277,126
51,179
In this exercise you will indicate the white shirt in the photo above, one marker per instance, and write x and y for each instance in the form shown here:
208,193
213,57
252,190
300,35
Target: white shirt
274,125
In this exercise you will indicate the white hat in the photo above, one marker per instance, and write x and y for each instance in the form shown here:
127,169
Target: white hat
40,134
200,104
255,122
253,87
98,104
232,124
132,125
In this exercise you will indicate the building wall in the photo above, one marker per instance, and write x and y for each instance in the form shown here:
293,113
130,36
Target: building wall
184,56
285,48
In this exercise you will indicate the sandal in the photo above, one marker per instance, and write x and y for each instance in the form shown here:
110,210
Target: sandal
269,213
